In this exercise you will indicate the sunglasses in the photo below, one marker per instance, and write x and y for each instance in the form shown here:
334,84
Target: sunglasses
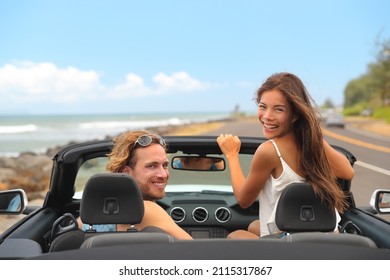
146,140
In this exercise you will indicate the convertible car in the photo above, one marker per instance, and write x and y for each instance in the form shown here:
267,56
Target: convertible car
199,198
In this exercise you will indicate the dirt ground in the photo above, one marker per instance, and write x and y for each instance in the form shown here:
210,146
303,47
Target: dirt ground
380,127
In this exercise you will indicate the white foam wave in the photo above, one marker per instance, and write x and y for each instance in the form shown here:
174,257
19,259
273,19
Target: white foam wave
37,133
140,124
17,128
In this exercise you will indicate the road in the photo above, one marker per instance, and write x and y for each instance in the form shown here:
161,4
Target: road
372,169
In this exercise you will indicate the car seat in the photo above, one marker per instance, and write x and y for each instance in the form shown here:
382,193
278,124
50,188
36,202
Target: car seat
108,198
302,215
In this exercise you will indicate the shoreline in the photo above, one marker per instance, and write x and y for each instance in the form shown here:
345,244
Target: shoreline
38,133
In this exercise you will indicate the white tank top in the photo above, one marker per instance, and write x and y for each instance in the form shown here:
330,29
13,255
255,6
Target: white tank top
270,194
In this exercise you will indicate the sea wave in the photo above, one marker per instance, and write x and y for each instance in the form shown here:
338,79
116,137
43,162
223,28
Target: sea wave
39,133
9,129
139,124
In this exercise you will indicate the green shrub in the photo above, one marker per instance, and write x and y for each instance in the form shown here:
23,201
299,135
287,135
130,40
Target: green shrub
382,113
355,110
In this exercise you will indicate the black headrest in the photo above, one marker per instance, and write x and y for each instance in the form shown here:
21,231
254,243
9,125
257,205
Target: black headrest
111,198
299,209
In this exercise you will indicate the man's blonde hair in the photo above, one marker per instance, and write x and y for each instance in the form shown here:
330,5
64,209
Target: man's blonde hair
122,153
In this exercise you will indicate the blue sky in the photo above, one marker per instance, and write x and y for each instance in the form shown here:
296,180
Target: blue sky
178,56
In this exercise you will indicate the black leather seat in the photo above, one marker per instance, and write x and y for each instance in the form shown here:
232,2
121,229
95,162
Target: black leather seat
303,216
299,209
109,198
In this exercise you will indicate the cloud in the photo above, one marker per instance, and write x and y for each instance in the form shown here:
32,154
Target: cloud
179,81
163,84
133,86
28,82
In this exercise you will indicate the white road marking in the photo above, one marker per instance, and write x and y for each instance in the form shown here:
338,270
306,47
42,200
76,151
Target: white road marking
373,167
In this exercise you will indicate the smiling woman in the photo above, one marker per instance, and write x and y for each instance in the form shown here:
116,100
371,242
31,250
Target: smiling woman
296,152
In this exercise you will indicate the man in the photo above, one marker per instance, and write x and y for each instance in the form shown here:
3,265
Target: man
142,155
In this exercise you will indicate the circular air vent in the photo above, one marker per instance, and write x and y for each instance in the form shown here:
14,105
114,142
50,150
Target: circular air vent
200,214
222,214
178,214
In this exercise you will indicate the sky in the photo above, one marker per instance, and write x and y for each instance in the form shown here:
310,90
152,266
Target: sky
88,57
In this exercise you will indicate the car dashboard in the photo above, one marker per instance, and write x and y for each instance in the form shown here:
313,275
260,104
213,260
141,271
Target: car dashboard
208,213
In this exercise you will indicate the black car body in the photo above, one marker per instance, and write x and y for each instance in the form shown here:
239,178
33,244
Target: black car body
201,202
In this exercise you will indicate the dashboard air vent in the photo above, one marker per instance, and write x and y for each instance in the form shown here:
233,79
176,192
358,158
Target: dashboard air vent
200,214
178,214
222,214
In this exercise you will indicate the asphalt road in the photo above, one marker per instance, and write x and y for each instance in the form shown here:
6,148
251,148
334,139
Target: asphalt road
372,169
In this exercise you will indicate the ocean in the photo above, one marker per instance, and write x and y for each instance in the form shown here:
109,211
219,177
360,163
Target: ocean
38,133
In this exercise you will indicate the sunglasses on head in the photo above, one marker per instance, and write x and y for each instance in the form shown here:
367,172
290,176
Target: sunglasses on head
146,140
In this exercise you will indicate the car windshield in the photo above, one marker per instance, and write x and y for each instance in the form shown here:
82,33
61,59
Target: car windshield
179,180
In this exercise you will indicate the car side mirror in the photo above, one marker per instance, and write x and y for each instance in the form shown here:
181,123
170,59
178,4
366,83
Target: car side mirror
380,201
12,202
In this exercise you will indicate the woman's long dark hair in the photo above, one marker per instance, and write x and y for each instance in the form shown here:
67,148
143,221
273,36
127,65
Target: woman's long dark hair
309,138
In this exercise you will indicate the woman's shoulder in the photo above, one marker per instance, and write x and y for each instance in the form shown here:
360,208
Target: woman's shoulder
266,156
266,145
276,148
286,143
267,149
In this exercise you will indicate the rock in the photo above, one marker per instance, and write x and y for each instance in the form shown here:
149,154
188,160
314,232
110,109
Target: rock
6,173
30,172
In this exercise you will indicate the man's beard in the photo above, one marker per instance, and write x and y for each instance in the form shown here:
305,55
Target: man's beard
151,197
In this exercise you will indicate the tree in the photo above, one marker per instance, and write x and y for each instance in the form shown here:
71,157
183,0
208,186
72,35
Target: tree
328,104
357,91
373,87
380,74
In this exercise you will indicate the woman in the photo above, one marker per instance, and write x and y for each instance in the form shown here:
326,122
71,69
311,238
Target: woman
296,151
